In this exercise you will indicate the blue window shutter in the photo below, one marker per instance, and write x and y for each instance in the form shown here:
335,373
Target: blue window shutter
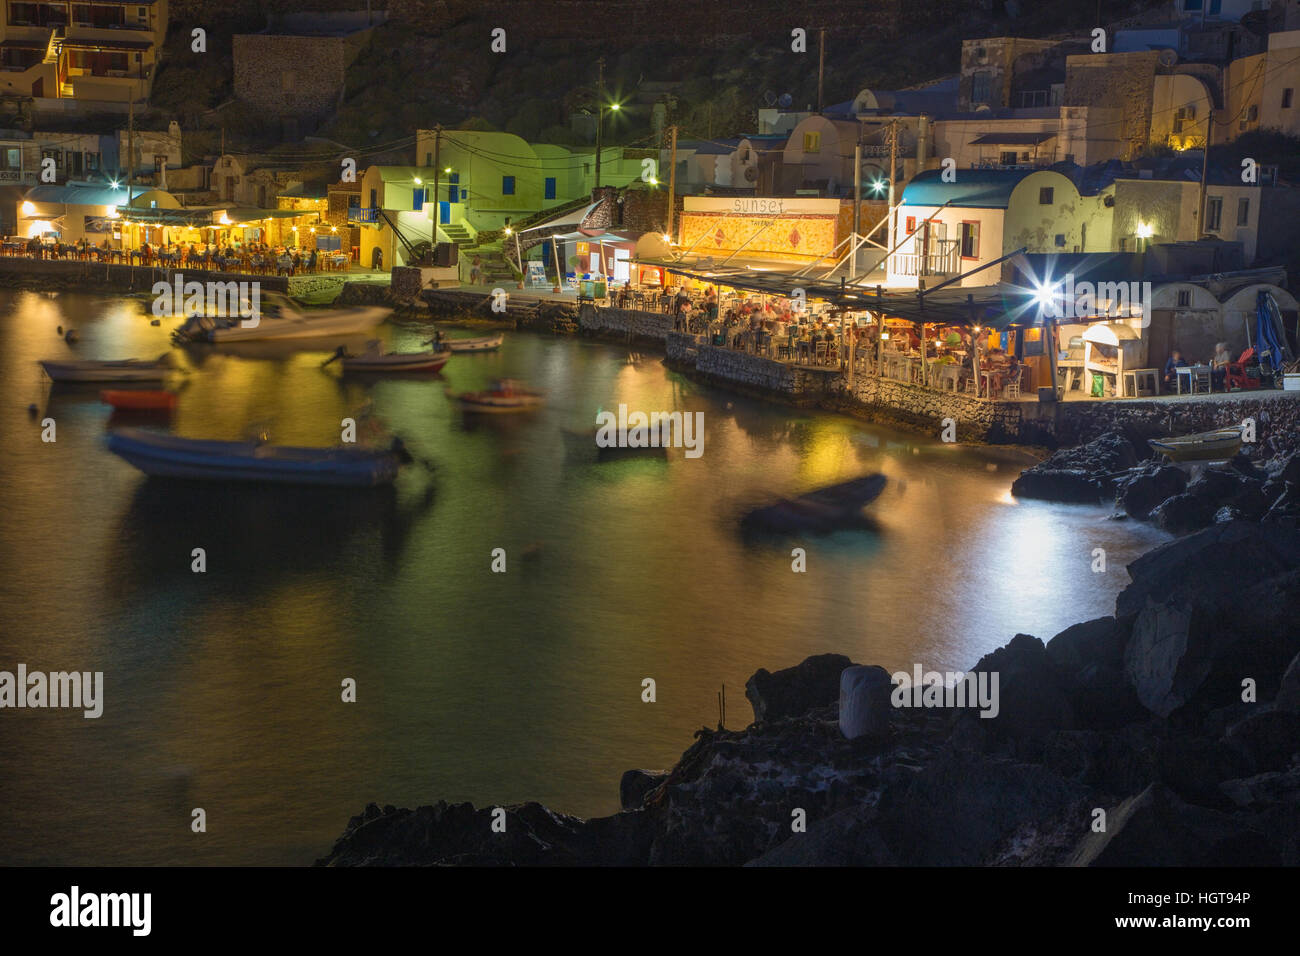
507,185
550,187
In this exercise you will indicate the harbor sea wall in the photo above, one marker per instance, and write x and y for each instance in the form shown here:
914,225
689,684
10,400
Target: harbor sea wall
646,327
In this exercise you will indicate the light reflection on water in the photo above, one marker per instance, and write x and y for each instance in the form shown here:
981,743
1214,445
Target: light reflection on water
223,689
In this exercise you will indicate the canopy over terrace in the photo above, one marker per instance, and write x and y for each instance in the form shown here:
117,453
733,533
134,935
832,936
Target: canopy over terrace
216,224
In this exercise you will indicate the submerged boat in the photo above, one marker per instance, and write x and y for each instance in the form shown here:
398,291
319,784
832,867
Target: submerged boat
375,360
124,370
823,510
168,456
483,343
582,443
139,400
279,318
505,395
1216,445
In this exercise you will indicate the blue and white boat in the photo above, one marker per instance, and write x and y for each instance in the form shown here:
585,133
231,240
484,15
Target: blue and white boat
168,456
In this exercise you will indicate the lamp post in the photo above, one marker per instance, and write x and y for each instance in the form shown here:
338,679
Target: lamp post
600,122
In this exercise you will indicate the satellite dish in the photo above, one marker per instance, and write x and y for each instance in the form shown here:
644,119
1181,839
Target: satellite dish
785,101
751,174
769,98
1168,57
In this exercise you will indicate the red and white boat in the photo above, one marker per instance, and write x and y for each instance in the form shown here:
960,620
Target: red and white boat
505,395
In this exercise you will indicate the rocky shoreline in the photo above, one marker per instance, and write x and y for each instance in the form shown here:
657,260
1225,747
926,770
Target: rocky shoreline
1167,734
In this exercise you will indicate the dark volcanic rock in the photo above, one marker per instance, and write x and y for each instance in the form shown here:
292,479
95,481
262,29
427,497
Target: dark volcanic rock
1146,487
1057,484
636,784
459,834
1089,659
848,837
957,810
1156,828
1288,694
1268,740
794,691
1031,701
1084,473
1183,513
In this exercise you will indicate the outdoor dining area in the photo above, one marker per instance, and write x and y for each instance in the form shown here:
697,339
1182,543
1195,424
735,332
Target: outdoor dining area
951,357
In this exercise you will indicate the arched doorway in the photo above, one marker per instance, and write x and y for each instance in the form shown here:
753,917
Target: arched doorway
377,259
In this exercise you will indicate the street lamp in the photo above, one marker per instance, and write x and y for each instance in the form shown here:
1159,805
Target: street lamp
600,122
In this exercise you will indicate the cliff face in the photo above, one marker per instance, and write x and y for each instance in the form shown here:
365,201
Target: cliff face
1166,735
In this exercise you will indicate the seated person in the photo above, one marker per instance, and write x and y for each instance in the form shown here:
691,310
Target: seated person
1176,361
1219,365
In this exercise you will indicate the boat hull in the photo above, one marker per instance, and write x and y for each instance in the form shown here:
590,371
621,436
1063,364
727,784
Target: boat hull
498,406
139,401
1205,446
487,343
106,372
422,362
347,322
166,456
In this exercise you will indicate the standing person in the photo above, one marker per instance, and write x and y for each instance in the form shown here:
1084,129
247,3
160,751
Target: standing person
475,270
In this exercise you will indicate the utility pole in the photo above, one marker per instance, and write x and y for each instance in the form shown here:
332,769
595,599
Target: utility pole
130,147
600,113
1205,173
857,207
893,159
435,214
672,179
821,65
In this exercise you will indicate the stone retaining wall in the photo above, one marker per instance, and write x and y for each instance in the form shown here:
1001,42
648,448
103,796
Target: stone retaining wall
622,322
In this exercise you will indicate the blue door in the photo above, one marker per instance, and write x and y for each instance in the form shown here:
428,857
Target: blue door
550,187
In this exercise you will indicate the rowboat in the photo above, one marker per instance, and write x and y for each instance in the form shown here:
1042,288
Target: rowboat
373,360
168,456
1217,445
124,370
826,509
139,400
505,395
484,343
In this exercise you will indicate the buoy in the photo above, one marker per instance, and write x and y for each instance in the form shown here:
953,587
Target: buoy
60,330
71,336
156,322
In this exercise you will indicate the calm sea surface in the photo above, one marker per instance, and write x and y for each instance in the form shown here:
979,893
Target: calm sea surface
222,689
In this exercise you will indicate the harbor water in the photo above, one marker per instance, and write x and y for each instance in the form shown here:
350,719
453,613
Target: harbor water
223,688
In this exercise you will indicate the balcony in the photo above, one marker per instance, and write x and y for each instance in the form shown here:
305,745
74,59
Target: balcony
939,260
363,215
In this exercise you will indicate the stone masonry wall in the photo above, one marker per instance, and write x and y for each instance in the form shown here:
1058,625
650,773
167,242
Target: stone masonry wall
643,325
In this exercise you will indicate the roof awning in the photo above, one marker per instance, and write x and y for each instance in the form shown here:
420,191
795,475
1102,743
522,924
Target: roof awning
1011,139
252,214
196,218
571,218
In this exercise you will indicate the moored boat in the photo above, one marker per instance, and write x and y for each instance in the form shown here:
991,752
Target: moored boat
482,343
123,370
505,395
169,456
374,360
824,510
1217,445
139,400
279,318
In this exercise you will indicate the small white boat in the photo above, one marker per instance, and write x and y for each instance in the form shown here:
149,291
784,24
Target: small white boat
278,318
1218,445
168,456
505,395
483,343
124,370
374,360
